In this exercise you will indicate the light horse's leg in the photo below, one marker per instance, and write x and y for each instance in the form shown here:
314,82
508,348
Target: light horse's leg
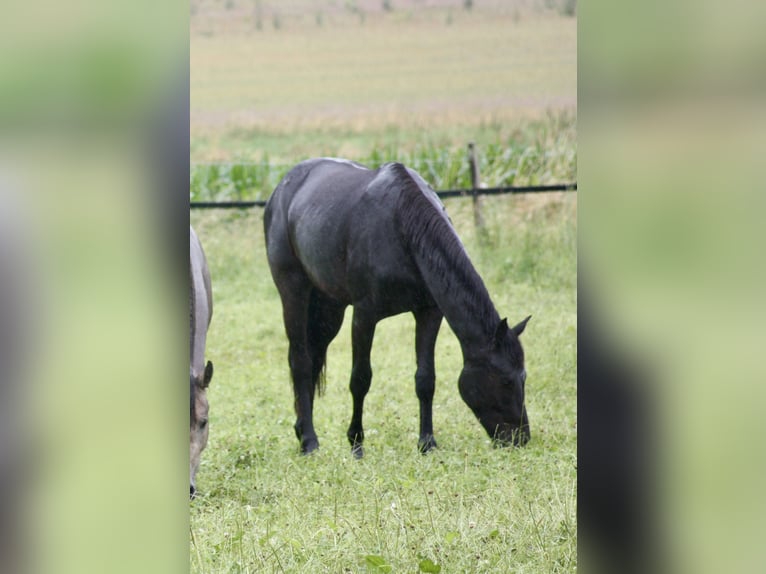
428,321
295,289
362,333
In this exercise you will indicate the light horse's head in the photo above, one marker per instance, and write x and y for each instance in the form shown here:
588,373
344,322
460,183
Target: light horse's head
198,428
492,385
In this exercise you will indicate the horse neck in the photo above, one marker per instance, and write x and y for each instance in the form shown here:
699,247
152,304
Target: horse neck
199,314
448,273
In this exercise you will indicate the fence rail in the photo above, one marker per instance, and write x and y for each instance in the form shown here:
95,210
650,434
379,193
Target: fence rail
442,194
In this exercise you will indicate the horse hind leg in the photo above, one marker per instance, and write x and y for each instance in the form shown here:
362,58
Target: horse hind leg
294,290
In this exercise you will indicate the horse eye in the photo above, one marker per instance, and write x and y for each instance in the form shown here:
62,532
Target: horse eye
202,424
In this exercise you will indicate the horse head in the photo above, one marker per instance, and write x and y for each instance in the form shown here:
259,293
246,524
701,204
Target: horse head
492,385
198,428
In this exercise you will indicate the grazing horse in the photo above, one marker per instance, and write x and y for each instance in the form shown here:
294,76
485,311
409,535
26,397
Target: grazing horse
200,312
339,234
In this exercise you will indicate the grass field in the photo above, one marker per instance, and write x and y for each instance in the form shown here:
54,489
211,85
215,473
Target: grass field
416,76
275,82
466,507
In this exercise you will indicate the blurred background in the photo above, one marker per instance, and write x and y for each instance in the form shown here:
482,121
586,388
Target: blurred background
671,141
93,139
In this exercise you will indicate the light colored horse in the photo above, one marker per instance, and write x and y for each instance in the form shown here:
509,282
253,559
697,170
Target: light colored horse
200,313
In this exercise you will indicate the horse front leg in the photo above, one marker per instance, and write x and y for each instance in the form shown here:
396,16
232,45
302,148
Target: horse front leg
362,333
428,322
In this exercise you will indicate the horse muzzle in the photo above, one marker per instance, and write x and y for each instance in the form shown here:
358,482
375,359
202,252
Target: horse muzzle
511,437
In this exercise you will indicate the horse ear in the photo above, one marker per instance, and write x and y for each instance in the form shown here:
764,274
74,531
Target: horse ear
519,329
500,330
208,375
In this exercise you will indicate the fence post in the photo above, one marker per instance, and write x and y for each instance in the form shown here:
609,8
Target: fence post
473,164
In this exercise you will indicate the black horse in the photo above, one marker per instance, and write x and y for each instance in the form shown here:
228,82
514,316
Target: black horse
339,234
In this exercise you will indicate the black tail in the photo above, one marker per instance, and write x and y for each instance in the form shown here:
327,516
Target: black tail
325,318
316,343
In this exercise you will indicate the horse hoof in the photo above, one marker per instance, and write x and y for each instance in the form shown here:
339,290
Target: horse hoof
357,451
426,444
309,446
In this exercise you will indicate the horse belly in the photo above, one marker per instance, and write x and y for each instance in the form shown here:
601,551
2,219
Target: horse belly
384,278
393,296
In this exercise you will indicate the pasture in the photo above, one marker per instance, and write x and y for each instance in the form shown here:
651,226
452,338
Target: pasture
433,75
466,507
416,83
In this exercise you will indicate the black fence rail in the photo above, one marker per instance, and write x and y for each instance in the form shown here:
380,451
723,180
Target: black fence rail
442,194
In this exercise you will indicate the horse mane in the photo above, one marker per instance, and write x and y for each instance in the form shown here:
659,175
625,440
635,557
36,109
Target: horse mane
192,301
192,397
192,325
439,253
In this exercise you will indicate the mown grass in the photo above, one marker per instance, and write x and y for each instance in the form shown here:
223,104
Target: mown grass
465,507
404,80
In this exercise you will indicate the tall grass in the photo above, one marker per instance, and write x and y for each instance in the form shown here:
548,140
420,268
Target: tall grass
542,152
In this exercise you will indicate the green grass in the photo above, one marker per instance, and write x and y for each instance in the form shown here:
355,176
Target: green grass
538,152
465,507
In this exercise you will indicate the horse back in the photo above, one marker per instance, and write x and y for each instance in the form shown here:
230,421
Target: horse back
336,221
